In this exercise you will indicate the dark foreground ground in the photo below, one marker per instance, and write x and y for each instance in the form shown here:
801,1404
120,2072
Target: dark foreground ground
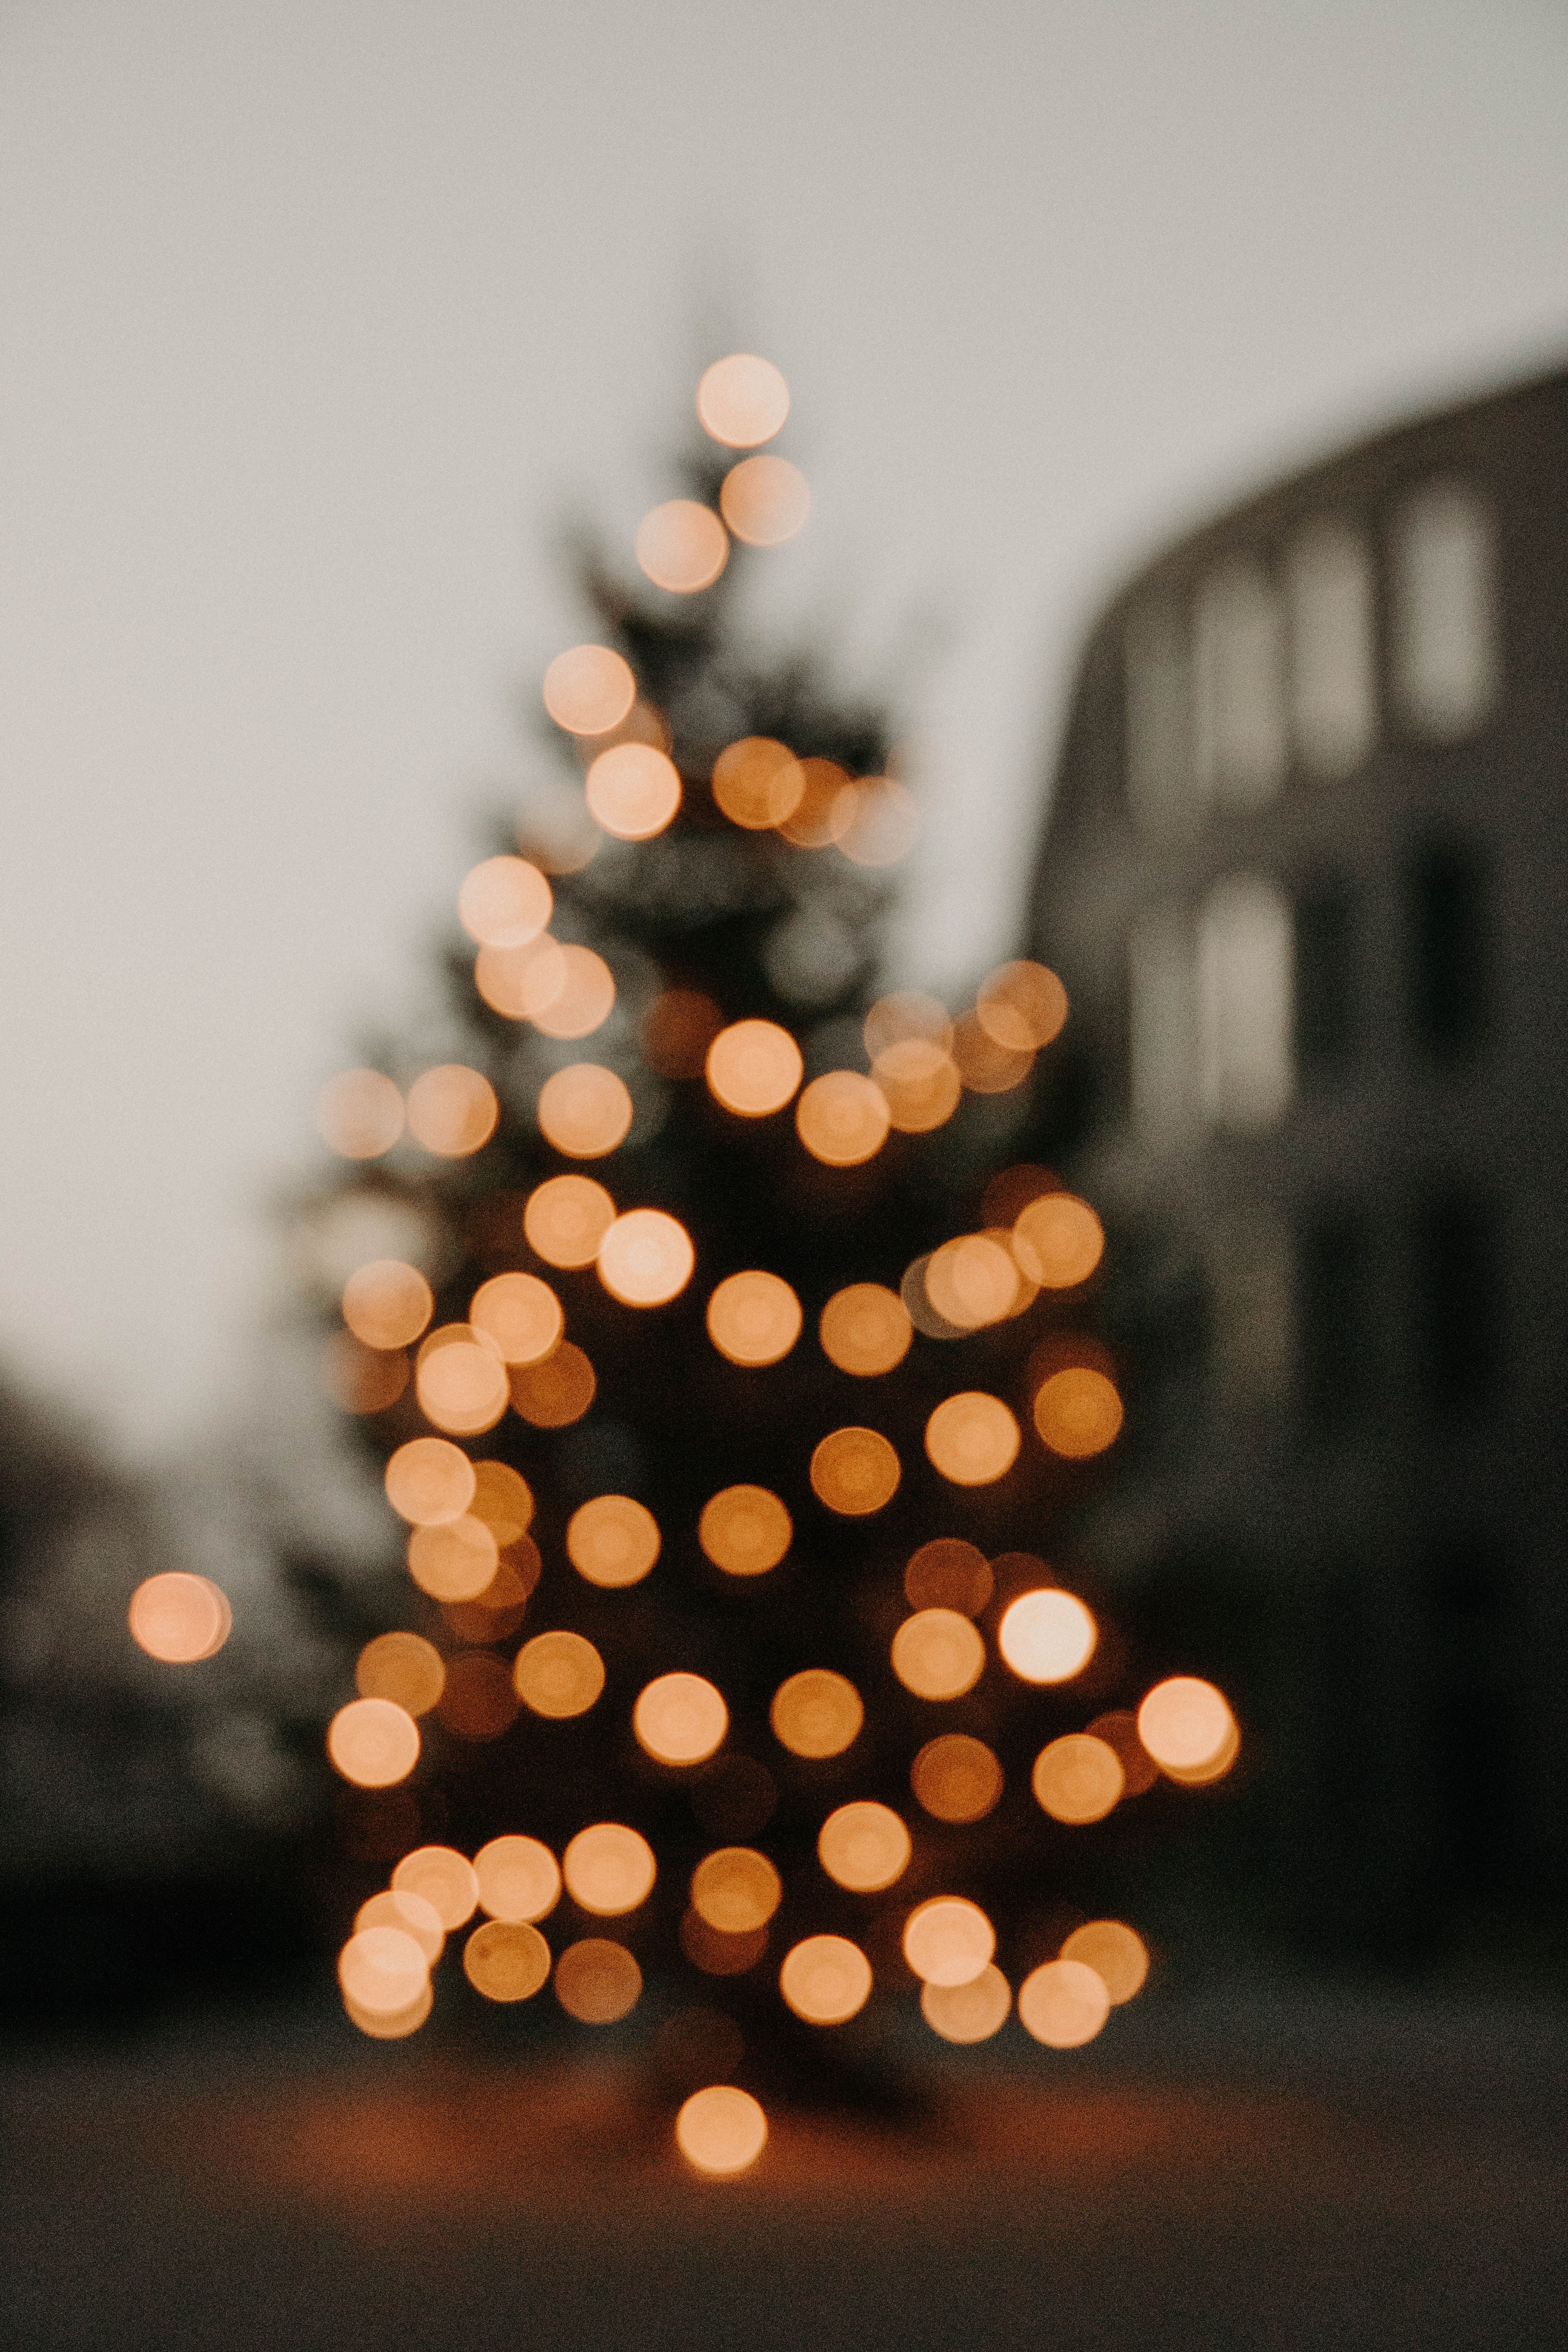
1299,2170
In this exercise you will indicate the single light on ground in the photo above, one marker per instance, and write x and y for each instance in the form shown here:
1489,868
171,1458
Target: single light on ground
520,1314
632,790
429,1481
680,1719
1022,1006
506,1960
1077,1778
681,546
855,1472
454,1560
608,1869
948,1940
826,1979
744,1530
583,1002
374,1742
409,1913
1063,2003
554,1394
360,1114
612,1540
863,1846
388,1303
741,400
948,1573
866,1330
754,1318
1047,1637
584,1110
816,1713
1078,1411
956,1777
764,500
588,689
383,1970
973,1439
565,1219
1188,1728
178,1619
645,1259
754,1068
968,2012
445,1879
920,1083
938,1655
517,1878
1058,1241
971,1281
1117,1954
452,1110
720,2131
596,1981
736,1890
403,1667
757,783
558,1674
504,902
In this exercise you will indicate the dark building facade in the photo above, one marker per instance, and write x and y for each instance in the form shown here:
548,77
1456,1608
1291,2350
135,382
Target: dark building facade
1304,877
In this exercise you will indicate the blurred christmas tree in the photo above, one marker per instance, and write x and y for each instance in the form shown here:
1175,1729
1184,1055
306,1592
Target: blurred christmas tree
726,1384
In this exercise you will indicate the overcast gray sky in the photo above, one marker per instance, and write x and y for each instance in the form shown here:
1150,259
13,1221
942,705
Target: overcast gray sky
317,313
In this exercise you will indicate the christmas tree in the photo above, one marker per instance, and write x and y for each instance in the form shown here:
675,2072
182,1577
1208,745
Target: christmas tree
729,1384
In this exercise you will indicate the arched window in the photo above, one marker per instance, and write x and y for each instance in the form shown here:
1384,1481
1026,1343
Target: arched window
1238,716
1445,611
1246,988
1333,714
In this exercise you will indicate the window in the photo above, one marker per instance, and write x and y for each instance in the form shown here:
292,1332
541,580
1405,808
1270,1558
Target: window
1445,612
1245,990
1163,1024
1157,785
1238,737
1473,1760
1326,994
1252,1315
1328,578
1458,1333
1333,1273
1447,978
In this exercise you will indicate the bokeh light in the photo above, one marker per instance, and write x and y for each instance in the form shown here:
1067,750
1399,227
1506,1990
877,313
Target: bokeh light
505,902
754,1318
736,1890
506,1960
460,1380
866,1330
680,1719
519,983
972,1439
826,809
826,1979
428,1481
753,1067
360,1114
984,1067
645,1259
479,1702
1058,1241
452,1110
596,1981
906,1016
968,2012
1118,1729
403,1667
1188,1728
971,1281
178,1619
558,1674
948,1573
387,1304
584,1000
411,1913
677,1030
360,1379
920,1083
741,400
521,1315
1078,1411
956,1777
383,1970
744,1530
886,823
554,1394
566,1218
632,790
855,1471
1047,1636
1022,1006
863,1846
374,1742
938,1655
1063,2003
721,2130
816,1713
758,782
612,1540
454,1560
764,500
588,689
1117,1954
718,1955
584,1110
681,546
842,1118
446,1880
1077,1778
947,1941
608,1869
517,1878
390,2025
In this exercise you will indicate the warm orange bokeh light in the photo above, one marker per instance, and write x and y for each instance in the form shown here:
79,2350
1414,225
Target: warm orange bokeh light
428,1481
403,1667
596,1981
558,1674
1058,1241
744,1530
360,1379
360,1114
866,1330
612,1540
736,1890
520,983
1047,1636
758,782
1118,1729
826,1979
973,1439
855,1471
720,2131
584,1110
968,2012
452,1110
971,1281
1063,2005
1022,1006
1188,1728
1078,1411
948,1573
479,1702
1117,1954
505,902
681,1719
460,1381
717,1955
955,1778
411,1913
1078,1778
984,1067
386,1303
753,1067
742,400
920,1083
178,1619
754,1318
444,1878
588,690
566,1218
455,1560
632,790
905,1016
390,2025
948,1940
676,1031
764,500
645,1259
517,1878
816,1713
608,1869
886,823
374,1742
842,1118
506,1960
383,1970
584,1000
863,1846
681,546
937,1653
826,808
556,1393
521,1314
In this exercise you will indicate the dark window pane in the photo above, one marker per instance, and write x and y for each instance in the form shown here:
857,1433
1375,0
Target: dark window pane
1458,1327
1447,978
1332,1278
1325,991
